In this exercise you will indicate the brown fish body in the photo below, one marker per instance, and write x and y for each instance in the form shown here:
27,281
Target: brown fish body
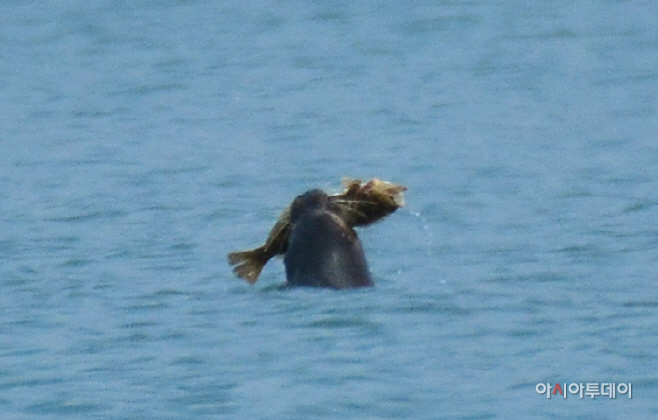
360,204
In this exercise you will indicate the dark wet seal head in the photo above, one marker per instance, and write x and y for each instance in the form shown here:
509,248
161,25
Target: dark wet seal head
323,251
313,200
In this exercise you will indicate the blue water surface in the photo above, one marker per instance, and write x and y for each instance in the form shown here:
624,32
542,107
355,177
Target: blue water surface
142,141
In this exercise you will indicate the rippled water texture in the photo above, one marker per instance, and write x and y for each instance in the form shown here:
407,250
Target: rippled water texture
141,141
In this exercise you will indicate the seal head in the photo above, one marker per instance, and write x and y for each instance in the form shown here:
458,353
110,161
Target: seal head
323,250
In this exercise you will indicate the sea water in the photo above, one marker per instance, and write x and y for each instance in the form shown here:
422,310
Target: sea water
142,141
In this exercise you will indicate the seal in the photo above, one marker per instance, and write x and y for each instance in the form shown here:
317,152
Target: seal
323,251
316,237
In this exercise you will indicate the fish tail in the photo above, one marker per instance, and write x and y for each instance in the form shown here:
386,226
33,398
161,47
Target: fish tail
248,265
